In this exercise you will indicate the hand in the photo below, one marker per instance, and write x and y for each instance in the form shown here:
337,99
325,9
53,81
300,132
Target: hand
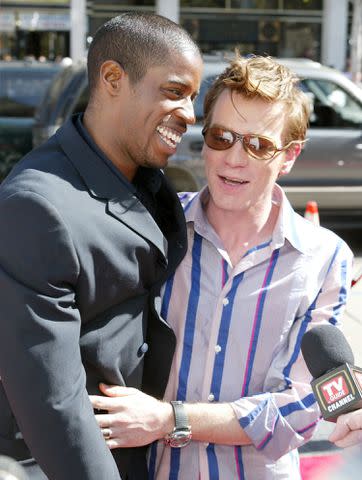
348,430
134,418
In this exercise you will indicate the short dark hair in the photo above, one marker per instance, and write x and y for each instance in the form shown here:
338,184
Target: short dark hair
136,40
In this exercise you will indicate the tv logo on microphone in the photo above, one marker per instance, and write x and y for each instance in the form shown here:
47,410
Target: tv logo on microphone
335,389
339,391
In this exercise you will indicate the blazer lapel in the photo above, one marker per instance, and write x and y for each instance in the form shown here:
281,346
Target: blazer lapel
102,183
132,212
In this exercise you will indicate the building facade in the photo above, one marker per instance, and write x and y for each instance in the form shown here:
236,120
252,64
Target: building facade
283,28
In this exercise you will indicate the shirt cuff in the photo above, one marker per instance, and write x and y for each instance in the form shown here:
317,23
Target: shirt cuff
268,430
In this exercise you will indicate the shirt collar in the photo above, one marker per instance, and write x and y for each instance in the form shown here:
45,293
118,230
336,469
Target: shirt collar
289,226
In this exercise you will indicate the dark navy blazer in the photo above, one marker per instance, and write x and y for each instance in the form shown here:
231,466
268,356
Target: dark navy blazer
81,265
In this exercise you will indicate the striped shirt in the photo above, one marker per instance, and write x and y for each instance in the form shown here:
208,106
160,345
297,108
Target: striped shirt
239,332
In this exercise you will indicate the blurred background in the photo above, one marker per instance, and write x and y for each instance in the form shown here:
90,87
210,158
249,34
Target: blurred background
43,81
328,31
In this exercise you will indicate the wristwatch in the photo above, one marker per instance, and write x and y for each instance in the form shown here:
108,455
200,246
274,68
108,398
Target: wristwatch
181,435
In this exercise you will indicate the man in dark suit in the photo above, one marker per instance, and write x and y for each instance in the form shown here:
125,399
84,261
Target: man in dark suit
89,230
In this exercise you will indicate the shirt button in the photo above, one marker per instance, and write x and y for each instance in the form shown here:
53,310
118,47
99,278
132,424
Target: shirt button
217,349
211,397
143,349
225,301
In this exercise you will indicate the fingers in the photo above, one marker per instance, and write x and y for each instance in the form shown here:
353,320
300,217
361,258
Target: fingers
348,430
341,429
110,404
105,421
116,390
355,420
114,443
352,438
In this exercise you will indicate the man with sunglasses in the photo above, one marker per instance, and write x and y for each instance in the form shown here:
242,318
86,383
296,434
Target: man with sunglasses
256,276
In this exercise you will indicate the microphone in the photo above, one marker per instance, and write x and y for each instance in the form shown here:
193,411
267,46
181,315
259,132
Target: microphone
10,469
337,383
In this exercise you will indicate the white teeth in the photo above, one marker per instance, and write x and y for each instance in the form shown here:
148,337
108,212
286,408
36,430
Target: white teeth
168,136
230,181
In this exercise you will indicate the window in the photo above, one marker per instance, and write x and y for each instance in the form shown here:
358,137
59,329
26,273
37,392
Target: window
203,3
333,107
21,91
303,4
261,4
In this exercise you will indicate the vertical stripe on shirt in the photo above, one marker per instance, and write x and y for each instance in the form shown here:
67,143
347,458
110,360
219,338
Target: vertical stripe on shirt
304,325
225,274
166,297
212,461
189,331
239,463
188,339
223,338
257,321
152,461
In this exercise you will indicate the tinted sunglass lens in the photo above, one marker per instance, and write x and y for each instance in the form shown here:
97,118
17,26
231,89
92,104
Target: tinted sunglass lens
219,139
259,147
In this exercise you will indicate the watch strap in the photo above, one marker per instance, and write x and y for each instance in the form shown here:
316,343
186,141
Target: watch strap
181,420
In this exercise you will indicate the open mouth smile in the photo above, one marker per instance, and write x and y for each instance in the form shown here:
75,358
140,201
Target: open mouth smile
168,136
232,181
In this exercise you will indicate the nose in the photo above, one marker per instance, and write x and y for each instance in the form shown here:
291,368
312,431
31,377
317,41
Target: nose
187,111
236,155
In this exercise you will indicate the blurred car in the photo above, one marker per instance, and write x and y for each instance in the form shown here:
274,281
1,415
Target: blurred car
22,86
328,171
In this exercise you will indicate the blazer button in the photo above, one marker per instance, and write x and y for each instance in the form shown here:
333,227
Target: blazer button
143,349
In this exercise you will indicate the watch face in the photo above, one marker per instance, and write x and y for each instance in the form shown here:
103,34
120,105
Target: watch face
178,438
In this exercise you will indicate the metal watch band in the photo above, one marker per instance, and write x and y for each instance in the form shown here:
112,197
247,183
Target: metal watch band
181,421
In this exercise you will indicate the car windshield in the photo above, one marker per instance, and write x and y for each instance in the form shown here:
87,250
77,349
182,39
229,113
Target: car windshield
22,90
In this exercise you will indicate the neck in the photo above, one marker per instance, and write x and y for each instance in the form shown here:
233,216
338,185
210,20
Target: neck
241,230
98,129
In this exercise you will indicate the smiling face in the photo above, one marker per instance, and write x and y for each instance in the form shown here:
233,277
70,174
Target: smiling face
151,116
237,182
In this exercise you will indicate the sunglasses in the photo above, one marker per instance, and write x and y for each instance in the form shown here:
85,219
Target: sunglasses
257,146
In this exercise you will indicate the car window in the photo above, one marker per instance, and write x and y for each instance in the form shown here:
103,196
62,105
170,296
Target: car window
82,102
333,107
53,94
199,102
21,91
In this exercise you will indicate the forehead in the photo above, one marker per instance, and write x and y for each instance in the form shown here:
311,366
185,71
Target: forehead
255,115
183,66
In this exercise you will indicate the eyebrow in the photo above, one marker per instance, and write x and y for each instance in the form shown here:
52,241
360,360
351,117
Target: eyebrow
181,82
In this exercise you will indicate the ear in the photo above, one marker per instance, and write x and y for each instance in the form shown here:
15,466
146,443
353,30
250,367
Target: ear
111,75
290,157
